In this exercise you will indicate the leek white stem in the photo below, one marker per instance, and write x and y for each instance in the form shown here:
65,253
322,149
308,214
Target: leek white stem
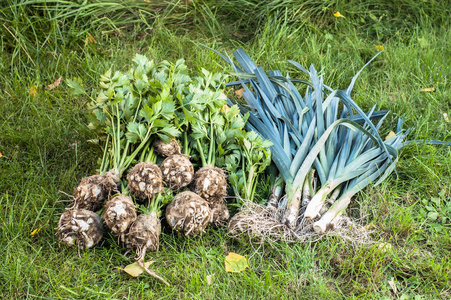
324,208
315,205
291,214
307,190
334,195
273,200
334,211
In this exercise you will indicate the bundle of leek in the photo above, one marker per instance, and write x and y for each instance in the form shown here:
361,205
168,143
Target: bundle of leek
310,132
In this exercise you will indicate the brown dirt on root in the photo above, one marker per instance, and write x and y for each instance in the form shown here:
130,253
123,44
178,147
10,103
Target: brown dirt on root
145,180
210,183
144,234
259,223
111,181
177,171
167,149
220,214
119,214
188,213
79,227
90,194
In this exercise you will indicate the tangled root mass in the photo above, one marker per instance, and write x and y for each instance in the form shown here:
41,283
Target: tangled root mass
80,227
144,234
119,214
111,181
210,183
166,149
145,180
220,214
188,213
90,194
177,171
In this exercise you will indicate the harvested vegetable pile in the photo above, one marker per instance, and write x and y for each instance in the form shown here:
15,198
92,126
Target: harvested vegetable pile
174,143
325,147
167,138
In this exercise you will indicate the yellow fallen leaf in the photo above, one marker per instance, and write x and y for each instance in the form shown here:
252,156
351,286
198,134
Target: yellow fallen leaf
431,89
239,93
379,47
1,155
235,263
33,90
390,135
337,14
135,269
35,231
54,85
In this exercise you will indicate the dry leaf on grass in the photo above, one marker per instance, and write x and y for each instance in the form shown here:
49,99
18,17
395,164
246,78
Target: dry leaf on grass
135,269
209,279
431,89
392,284
390,135
239,93
235,263
54,85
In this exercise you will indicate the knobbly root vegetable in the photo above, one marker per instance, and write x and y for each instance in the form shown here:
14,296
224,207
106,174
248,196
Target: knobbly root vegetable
220,214
177,171
210,182
119,214
90,194
80,227
166,150
145,180
143,235
188,213
111,181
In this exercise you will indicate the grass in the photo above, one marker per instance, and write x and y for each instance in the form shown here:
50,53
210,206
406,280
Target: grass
45,149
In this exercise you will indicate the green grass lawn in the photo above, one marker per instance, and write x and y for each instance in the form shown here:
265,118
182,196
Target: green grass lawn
45,146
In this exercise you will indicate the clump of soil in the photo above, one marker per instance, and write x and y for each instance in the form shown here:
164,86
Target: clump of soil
188,213
220,214
210,183
177,171
166,149
119,214
145,180
90,194
80,227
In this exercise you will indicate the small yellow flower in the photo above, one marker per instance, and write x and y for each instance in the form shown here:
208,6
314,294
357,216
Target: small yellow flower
33,90
379,47
337,14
